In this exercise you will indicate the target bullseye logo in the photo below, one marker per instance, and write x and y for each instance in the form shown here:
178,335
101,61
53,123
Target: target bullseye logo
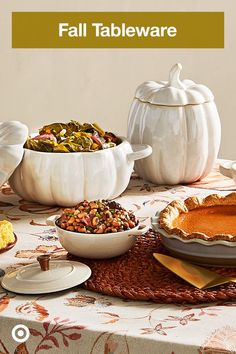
20,333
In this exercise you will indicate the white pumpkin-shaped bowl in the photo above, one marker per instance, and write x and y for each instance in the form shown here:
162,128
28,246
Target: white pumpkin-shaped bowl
179,119
68,178
13,135
97,246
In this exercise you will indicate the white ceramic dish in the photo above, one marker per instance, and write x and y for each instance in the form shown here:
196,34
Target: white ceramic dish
179,119
217,253
31,279
96,246
228,169
12,138
68,178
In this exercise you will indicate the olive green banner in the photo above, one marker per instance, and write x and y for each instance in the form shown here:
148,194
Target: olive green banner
118,30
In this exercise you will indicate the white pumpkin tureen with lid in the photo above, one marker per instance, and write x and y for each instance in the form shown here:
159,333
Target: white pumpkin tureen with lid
12,138
179,119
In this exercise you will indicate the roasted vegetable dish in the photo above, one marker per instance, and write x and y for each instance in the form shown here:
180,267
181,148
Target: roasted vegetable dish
97,217
71,137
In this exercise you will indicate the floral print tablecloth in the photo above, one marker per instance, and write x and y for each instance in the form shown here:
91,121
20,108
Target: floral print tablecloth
80,321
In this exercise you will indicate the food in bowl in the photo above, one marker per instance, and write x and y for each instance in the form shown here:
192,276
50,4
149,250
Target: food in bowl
98,217
72,137
66,179
6,234
97,229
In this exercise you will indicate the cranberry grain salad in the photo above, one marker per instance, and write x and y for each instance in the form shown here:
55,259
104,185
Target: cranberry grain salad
97,217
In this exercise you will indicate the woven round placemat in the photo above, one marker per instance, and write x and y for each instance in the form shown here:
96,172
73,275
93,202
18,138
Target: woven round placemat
136,275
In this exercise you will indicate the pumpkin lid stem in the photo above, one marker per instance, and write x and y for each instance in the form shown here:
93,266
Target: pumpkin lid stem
174,80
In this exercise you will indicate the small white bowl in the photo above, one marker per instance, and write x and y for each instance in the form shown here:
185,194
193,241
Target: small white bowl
96,246
228,169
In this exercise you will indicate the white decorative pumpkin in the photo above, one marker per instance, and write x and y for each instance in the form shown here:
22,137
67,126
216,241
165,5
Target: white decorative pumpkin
12,138
179,119
68,178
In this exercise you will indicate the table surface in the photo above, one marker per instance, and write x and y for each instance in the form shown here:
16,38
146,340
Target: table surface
80,321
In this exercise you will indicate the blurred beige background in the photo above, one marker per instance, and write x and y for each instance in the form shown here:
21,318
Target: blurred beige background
39,86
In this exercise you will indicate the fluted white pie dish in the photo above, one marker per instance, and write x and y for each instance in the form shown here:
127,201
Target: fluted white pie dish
196,250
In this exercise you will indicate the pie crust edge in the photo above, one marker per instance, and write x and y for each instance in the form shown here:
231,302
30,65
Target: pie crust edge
176,207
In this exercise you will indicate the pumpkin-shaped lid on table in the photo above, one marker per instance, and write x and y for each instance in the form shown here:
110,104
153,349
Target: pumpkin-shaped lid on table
174,92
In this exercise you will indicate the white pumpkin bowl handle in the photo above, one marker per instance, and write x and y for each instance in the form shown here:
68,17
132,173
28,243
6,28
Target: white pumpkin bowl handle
140,151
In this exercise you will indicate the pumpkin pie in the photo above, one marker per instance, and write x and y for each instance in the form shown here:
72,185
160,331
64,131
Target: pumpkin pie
211,218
